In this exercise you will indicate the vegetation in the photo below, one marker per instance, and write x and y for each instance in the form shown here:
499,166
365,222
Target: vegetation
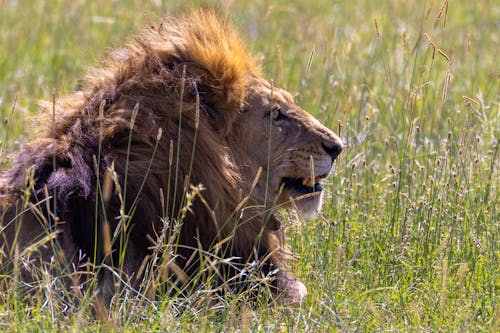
408,239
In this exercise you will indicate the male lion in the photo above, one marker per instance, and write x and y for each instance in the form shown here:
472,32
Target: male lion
199,151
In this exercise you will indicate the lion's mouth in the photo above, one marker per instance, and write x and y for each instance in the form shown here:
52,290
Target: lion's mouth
303,185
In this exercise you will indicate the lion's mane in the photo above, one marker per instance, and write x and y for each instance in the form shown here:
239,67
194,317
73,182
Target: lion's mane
157,113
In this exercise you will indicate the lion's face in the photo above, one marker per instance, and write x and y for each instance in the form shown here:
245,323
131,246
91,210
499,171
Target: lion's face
294,150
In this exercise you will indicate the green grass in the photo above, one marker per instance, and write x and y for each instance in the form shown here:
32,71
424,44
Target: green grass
409,236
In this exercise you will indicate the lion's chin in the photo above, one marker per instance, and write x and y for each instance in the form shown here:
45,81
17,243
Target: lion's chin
306,198
309,207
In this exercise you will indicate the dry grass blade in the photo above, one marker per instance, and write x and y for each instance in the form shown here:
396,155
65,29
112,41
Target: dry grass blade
470,101
434,48
443,13
377,29
172,266
135,111
107,187
311,168
446,84
309,61
38,244
106,194
441,52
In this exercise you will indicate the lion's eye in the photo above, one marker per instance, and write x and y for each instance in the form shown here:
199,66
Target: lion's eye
276,113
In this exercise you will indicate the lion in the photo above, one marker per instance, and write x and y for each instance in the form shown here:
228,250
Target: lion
176,136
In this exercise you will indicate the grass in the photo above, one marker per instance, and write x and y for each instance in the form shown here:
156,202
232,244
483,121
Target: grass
409,236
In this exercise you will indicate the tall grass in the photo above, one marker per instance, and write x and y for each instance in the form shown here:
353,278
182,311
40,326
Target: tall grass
408,239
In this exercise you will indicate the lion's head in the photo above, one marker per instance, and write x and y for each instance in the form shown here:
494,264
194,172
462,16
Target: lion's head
294,150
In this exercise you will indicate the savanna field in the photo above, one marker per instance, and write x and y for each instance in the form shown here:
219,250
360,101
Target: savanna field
409,235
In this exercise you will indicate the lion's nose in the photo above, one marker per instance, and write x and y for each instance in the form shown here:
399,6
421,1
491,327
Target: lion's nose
333,149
